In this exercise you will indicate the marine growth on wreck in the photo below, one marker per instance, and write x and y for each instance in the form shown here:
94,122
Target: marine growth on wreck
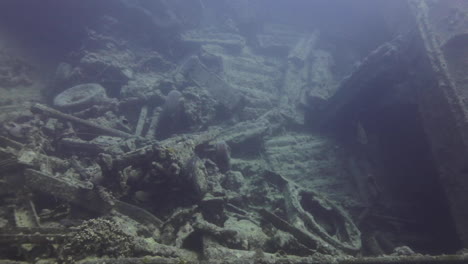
247,131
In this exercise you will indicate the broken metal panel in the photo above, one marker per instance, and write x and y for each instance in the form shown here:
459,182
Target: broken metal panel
442,26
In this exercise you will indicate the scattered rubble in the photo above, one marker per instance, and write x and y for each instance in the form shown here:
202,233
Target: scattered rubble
208,155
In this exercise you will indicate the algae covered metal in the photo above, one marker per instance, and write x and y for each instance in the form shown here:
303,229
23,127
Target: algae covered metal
233,131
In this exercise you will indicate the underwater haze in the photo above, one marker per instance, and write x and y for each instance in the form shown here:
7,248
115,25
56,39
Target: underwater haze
233,131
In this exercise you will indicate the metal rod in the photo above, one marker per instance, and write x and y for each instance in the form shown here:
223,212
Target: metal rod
42,109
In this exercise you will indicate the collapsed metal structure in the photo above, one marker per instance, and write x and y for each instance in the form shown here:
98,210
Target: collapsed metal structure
431,58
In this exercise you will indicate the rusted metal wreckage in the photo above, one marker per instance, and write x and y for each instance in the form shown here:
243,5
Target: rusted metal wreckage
434,58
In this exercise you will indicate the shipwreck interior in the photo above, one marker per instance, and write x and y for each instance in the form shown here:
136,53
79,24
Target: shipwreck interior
405,170
247,131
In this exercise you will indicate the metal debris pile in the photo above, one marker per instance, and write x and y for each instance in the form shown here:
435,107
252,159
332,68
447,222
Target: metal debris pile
121,195
128,198
132,161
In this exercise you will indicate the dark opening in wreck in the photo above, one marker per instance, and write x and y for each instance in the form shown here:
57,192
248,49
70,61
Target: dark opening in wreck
406,174
376,114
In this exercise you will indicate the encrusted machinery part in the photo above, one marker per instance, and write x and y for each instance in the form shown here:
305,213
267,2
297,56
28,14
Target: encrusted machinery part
17,155
76,192
77,144
197,174
81,96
